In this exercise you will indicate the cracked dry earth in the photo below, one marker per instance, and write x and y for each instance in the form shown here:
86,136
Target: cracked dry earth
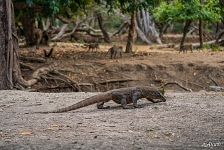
185,121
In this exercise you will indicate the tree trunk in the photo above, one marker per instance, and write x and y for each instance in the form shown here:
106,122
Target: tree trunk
46,24
201,29
163,29
105,34
146,24
186,28
10,74
131,33
5,76
121,29
142,36
219,36
28,23
200,33
60,34
6,46
221,2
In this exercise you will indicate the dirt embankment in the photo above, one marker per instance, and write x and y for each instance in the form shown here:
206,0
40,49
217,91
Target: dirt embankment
185,121
147,66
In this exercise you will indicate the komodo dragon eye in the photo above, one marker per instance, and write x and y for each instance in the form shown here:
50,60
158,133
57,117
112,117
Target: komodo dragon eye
157,94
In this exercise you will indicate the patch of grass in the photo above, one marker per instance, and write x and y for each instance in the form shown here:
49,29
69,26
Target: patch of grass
213,47
216,48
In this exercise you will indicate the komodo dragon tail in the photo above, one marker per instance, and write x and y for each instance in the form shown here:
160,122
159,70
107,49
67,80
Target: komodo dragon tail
104,97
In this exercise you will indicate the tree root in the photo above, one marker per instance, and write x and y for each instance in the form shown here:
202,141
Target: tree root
32,59
47,73
116,80
216,84
68,80
178,84
23,65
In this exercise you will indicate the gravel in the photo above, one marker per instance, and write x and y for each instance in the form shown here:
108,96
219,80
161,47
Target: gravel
185,121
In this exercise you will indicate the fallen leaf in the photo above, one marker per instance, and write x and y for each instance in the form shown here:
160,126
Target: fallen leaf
169,134
25,133
54,125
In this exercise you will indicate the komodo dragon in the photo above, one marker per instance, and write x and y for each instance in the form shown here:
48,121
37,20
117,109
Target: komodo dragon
121,96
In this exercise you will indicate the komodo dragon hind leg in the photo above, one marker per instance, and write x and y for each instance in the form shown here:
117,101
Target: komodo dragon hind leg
123,100
124,103
100,106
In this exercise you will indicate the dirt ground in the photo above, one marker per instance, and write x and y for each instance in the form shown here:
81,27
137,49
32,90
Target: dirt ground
185,121
154,66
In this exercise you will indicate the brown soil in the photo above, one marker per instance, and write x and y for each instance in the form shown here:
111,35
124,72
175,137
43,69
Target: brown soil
94,71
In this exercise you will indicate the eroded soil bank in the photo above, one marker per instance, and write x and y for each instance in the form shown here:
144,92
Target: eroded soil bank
96,72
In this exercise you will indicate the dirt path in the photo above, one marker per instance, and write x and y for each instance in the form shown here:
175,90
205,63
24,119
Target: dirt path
185,121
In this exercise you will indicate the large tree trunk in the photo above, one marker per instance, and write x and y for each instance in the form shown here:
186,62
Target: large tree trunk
186,28
5,77
131,33
10,74
105,34
6,46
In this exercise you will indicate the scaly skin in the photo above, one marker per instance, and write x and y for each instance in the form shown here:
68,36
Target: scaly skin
121,96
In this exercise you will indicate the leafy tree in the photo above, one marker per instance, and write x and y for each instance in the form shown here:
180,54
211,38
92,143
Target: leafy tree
129,7
188,11
28,11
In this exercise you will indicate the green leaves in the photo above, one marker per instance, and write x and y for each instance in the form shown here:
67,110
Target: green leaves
52,7
182,10
129,6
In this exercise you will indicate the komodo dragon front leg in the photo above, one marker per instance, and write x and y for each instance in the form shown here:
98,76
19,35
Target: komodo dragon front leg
154,101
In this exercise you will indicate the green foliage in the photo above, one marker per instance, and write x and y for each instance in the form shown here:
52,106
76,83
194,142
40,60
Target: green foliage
129,6
63,7
112,23
182,10
213,47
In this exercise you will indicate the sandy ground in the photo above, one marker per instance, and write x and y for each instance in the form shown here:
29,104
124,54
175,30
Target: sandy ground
185,121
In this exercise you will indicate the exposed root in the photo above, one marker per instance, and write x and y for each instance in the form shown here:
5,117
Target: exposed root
68,79
216,84
32,59
116,80
49,73
178,84
26,66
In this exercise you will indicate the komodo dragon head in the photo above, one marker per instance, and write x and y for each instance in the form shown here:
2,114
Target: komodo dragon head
155,94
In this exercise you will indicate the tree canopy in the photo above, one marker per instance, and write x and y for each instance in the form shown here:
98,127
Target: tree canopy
182,10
